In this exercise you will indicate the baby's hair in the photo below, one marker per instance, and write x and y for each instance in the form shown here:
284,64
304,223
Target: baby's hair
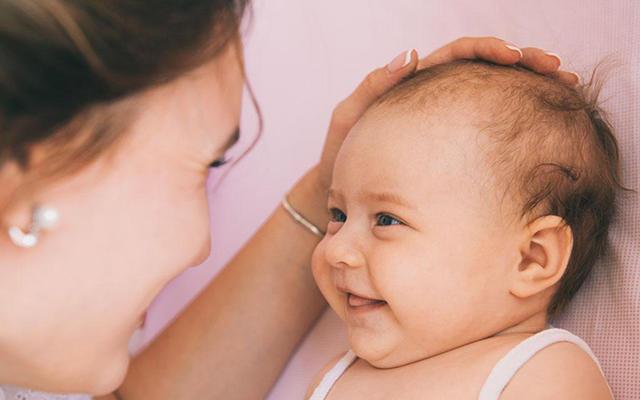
551,145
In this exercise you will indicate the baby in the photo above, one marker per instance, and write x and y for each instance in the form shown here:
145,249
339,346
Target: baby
467,207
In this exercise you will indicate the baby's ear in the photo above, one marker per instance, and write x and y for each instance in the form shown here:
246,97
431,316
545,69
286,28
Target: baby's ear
545,251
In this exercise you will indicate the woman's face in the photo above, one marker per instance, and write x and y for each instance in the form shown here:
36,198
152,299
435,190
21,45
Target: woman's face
128,225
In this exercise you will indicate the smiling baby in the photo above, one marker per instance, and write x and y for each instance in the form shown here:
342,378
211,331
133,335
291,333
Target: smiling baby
467,207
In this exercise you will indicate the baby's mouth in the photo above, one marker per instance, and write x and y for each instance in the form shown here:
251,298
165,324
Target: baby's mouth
357,301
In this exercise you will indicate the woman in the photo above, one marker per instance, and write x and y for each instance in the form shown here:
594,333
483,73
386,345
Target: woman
112,113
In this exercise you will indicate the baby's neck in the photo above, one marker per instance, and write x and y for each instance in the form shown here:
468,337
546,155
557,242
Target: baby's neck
531,325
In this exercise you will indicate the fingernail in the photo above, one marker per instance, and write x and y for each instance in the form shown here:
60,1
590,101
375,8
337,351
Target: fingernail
400,61
554,55
577,76
514,48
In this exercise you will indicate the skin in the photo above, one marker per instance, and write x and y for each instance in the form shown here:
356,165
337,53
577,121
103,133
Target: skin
414,219
432,273
133,221
166,154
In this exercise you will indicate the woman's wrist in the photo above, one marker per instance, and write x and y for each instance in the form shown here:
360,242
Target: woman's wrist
309,198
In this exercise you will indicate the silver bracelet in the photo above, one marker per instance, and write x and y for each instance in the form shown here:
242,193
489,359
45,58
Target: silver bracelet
300,219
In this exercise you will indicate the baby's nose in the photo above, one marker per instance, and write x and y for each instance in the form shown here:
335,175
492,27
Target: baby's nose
341,252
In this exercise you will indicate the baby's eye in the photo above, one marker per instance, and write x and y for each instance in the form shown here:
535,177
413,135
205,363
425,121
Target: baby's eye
336,215
386,220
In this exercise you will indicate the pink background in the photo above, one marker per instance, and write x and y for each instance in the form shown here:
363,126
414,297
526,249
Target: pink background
304,56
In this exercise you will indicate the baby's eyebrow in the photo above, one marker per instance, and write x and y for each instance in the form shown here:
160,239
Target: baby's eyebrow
380,197
387,197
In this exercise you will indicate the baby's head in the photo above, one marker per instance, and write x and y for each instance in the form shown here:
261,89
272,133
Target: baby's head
470,200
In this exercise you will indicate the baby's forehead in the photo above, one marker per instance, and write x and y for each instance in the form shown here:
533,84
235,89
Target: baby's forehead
515,122
430,162
434,127
419,129
390,143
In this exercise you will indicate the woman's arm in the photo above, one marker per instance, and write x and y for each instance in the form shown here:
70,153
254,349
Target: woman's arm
234,339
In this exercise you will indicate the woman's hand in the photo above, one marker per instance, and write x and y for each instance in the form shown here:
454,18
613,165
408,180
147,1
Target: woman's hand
348,111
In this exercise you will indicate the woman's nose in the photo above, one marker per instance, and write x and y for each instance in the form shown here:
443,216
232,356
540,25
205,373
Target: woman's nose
341,251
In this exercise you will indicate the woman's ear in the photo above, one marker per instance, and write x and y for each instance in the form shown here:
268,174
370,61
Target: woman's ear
545,253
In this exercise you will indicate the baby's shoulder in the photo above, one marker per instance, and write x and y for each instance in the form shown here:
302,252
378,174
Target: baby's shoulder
458,376
560,370
315,382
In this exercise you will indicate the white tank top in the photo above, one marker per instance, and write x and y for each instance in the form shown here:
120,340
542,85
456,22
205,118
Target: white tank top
500,375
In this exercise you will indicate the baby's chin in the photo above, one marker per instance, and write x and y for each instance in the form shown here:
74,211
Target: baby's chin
383,352
389,360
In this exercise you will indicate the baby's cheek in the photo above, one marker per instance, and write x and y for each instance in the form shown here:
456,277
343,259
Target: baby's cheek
322,274
317,264
417,294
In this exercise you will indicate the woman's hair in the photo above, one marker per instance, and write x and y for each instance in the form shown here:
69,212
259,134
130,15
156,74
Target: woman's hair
553,149
68,68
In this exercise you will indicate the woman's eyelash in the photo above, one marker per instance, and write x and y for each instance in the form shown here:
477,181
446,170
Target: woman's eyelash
219,162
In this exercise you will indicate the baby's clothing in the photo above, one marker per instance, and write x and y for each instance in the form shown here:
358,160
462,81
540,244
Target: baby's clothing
498,378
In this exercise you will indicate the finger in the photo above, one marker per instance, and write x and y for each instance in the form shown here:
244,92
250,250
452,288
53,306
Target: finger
567,77
372,87
540,61
485,48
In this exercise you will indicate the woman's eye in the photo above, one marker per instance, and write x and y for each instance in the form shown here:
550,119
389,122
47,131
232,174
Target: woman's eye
336,215
386,220
219,162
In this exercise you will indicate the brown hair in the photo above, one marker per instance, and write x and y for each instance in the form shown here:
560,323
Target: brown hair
68,69
553,147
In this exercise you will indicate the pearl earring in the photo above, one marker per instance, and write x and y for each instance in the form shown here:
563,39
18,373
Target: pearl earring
42,218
